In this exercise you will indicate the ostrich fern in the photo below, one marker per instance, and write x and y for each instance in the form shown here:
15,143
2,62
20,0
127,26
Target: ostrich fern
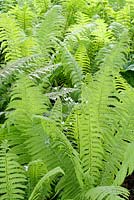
12,176
90,165
51,49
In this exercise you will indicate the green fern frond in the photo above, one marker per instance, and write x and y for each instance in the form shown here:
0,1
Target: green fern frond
71,68
102,34
12,176
123,15
41,6
56,113
35,195
107,193
127,166
71,129
26,101
49,144
35,171
6,5
24,17
82,18
71,7
117,29
25,97
110,67
83,59
27,46
125,136
118,137
10,37
49,32
18,67
90,135
118,50
78,33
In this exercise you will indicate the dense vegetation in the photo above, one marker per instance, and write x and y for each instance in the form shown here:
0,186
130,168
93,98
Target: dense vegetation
66,99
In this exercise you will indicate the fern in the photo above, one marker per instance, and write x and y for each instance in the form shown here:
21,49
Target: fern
35,171
126,168
41,6
23,106
106,192
6,5
36,191
71,68
83,59
10,37
102,33
24,17
56,113
70,109
122,14
12,176
50,146
49,32
41,141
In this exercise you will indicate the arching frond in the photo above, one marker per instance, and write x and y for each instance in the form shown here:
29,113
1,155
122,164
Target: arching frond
36,190
52,146
25,97
35,171
17,67
107,193
127,165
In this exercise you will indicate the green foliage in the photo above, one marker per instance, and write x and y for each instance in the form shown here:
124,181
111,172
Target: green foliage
66,110
10,37
24,17
49,32
111,193
12,176
36,191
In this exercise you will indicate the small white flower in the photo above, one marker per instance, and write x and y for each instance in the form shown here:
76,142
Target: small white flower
26,167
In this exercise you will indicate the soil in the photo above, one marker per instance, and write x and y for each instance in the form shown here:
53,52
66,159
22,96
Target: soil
129,184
